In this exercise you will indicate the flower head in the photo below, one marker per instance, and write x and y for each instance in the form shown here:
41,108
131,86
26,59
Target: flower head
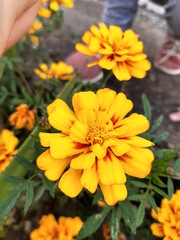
168,217
37,25
58,70
65,228
99,143
23,117
120,52
8,143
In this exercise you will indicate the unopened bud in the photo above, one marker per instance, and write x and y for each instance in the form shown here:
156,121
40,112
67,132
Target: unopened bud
44,123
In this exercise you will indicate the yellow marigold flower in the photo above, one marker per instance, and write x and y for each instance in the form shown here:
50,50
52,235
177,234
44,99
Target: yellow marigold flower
23,117
66,228
36,26
67,3
44,12
58,70
8,143
120,52
168,217
98,142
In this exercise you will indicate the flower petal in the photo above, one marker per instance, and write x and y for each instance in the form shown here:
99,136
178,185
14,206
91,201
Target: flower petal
70,183
107,62
86,116
105,98
121,71
98,150
90,179
78,132
83,161
138,141
157,229
84,49
110,170
58,103
120,148
113,193
46,137
138,69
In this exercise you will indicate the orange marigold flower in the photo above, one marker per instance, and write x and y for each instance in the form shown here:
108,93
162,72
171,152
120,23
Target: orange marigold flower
8,143
99,143
66,228
120,52
58,70
168,217
23,117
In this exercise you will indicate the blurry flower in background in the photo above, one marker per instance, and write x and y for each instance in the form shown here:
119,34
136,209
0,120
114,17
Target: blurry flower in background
168,218
99,143
58,70
37,25
23,117
66,228
8,143
118,51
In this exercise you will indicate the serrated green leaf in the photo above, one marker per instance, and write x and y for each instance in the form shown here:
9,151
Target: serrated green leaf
135,197
161,137
9,203
138,184
157,181
157,124
159,191
49,185
127,214
140,214
152,202
170,188
29,196
13,179
146,107
25,163
177,165
114,224
92,224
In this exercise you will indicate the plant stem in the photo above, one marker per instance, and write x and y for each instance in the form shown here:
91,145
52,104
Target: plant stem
107,75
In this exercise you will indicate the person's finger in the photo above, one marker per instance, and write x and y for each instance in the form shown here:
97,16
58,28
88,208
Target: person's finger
22,25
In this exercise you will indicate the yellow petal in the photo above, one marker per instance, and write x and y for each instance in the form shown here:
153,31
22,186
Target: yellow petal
110,170
138,141
83,161
120,148
113,193
84,49
115,33
137,162
136,48
119,108
86,116
157,229
84,100
121,71
103,31
98,150
90,179
136,124
64,146
105,98
78,132
46,137
87,37
107,62
94,45
70,183
54,6
138,69
95,31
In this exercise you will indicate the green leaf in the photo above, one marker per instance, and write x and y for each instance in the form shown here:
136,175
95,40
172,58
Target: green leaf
138,184
2,67
127,214
9,203
156,124
92,224
140,214
98,196
135,197
25,163
146,107
49,185
29,196
152,202
13,179
159,191
39,193
157,181
170,188
161,137
114,224
177,165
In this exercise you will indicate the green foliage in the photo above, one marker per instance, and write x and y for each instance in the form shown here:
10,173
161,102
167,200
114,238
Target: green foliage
147,107
49,185
114,223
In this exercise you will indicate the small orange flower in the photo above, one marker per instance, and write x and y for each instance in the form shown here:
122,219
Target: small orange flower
66,228
8,143
23,117
168,217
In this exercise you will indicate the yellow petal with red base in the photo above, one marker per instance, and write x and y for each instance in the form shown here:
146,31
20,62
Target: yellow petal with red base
78,132
83,161
157,229
105,98
90,179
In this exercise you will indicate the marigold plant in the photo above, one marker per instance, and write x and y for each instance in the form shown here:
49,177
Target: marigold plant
168,217
66,228
37,25
23,117
117,51
99,143
8,144
58,70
